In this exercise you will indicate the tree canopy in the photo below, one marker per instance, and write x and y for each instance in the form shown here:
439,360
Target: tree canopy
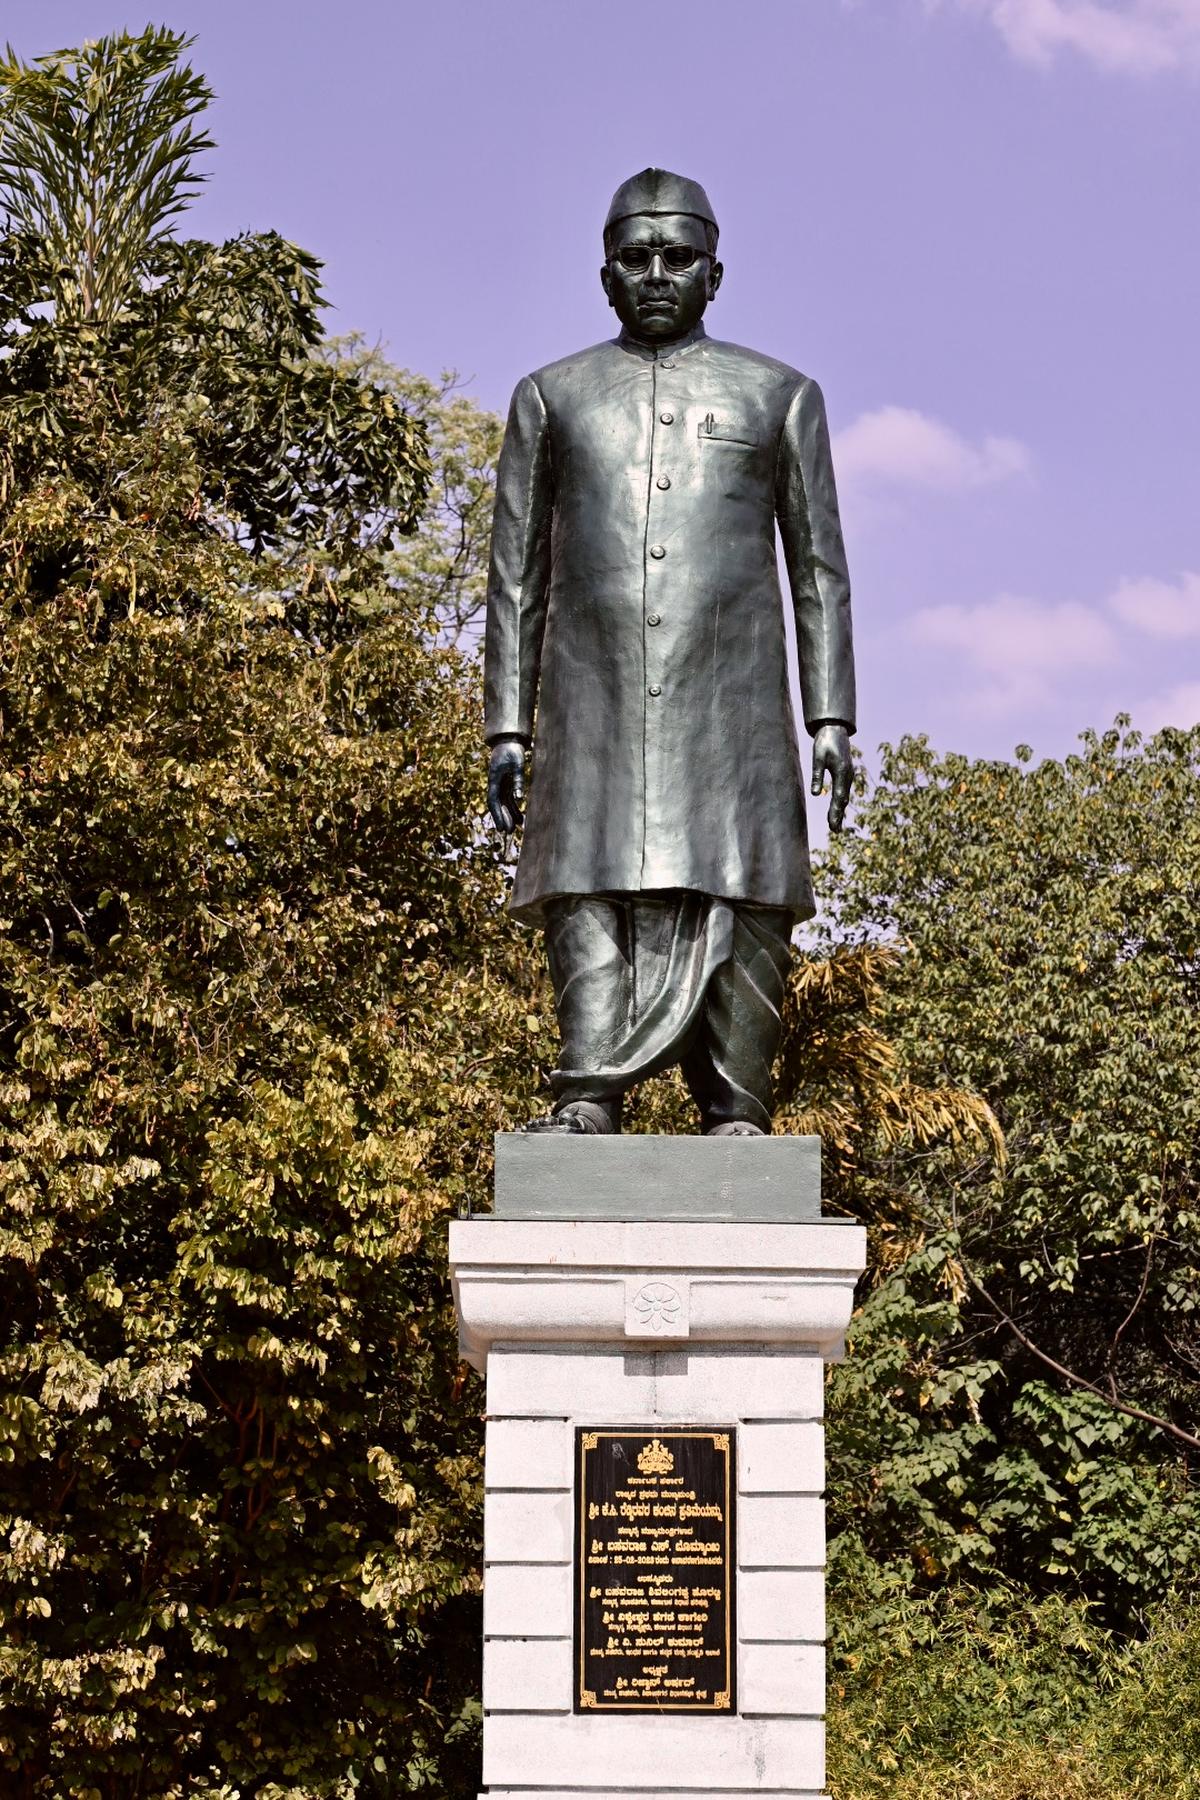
240,865
1025,1397
150,381
97,155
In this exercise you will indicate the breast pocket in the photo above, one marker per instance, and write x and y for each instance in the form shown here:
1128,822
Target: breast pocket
727,434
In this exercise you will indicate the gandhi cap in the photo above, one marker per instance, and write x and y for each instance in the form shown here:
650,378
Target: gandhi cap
658,191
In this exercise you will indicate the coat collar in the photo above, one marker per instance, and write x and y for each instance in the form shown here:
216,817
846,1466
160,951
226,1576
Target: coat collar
676,348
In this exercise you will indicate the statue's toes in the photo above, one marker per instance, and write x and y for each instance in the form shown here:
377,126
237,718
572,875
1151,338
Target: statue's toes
735,1128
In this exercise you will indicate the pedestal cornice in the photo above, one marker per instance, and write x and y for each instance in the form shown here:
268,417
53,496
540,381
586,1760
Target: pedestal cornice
571,1281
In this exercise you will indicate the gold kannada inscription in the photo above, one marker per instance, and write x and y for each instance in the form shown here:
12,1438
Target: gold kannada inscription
654,1616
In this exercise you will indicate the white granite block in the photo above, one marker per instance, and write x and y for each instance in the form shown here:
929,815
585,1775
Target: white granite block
781,1678
535,1281
529,1453
610,1386
614,1793
710,1384
780,1309
582,1248
530,1675
781,1605
527,1528
781,1531
538,1299
527,1600
781,1458
691,1384
584,1752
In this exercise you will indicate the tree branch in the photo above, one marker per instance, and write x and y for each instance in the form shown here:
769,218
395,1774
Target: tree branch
1121,1406
1117,1335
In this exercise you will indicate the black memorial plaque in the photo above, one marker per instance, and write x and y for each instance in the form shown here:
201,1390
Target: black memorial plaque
654,1571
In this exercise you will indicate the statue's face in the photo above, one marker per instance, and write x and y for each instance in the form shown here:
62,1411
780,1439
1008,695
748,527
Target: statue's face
656,292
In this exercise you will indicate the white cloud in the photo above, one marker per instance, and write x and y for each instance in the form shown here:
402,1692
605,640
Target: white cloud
1013,651
1134,37
898,446
1013,654
1178,706
1162,609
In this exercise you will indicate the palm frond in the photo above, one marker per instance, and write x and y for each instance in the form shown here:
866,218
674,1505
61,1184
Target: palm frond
97,155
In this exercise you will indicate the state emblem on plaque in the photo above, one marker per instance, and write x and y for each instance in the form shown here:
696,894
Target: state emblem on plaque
655,1459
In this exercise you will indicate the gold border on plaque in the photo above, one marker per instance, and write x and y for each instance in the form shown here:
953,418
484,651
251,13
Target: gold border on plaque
722,1441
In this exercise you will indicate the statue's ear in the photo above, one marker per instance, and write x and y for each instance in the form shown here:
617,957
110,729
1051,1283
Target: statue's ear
716,273
606,282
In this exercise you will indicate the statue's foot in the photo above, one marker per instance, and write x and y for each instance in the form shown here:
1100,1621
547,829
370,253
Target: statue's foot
735,1128
586,1118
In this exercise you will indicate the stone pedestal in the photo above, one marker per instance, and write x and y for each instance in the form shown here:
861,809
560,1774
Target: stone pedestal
718,1310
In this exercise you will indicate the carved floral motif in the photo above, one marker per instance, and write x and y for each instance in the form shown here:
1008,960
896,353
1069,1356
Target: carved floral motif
657,1305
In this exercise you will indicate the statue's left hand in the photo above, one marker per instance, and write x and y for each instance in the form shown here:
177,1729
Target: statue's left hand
831,755
506,783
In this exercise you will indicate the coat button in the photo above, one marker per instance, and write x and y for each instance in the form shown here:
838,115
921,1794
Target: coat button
654,618
664,481
654,689
666,365
666,418
657,551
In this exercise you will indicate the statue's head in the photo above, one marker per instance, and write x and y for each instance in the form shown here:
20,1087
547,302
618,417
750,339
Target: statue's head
660,255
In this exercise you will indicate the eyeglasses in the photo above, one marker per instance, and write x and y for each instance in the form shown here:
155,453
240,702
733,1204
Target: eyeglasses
636,258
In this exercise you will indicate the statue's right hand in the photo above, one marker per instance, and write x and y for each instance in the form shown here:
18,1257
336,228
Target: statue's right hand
506,783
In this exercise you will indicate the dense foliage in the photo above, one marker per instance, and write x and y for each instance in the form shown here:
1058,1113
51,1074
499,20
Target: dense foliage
441,570
1009,1698
240,1047
97,156
1024,1399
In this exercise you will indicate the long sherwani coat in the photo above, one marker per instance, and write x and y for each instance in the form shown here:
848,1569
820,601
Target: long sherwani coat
635,625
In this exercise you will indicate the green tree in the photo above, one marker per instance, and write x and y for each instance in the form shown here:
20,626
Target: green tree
441,570
1024,1398
96,158
246,917
138,372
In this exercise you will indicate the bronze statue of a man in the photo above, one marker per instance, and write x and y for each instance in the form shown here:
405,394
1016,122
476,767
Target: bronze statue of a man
635,637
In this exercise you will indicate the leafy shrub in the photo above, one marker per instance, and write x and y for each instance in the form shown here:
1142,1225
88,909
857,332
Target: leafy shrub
1024,1397
985,1695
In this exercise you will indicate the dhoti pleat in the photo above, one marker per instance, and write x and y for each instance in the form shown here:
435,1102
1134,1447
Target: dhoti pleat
643,982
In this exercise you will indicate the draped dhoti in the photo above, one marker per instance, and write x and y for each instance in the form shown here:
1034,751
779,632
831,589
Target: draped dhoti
645,981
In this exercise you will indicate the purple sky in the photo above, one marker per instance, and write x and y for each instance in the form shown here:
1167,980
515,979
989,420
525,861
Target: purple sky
976,222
